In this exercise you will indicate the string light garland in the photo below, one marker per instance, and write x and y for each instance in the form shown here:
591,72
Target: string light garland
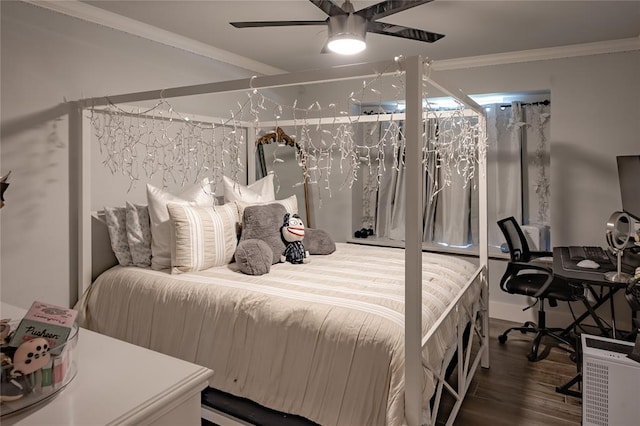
160,141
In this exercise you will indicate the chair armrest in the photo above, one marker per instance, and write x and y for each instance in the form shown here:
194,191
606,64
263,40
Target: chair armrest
535,254
520,266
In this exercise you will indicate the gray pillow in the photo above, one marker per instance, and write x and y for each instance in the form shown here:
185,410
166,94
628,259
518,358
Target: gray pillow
263,222
318,241
116,218
139,234
254,257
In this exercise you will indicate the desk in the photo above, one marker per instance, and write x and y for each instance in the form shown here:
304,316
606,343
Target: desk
589,279
119,383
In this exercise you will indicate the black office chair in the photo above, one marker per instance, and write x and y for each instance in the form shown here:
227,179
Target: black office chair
527,274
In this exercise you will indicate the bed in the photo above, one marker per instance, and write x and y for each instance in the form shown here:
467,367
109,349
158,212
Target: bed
322,340
361,336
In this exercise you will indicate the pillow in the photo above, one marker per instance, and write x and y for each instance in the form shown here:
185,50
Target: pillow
157,199
263,223
290,204
254,257
259,191
139,234
117,227
203,237
318,241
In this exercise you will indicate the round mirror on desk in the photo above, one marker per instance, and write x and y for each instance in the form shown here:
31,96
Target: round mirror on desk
619,235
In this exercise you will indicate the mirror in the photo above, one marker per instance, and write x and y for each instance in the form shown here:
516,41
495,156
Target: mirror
278,153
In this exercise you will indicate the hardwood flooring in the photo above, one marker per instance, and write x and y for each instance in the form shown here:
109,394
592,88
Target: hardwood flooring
512,392
516,391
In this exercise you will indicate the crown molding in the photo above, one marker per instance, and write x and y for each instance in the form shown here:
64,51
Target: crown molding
112,20
560,52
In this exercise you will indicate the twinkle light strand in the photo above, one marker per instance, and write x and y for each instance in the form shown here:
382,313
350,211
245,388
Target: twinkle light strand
160,141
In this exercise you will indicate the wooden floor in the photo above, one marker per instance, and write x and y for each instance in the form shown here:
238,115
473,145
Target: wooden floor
515,391
512,392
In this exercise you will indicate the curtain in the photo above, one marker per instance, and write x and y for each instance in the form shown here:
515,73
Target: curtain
447,211
517,137
504,165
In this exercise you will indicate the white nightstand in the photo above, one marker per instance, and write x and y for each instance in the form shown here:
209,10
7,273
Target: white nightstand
120,383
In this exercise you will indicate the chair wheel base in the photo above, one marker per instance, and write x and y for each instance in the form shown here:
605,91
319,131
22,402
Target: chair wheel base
532,357
502,338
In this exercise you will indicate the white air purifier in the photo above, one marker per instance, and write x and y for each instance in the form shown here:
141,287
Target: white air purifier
610,383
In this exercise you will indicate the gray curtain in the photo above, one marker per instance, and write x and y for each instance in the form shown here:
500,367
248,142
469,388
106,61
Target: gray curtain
448,212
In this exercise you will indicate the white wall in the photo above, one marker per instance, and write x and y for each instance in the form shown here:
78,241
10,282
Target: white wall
47,59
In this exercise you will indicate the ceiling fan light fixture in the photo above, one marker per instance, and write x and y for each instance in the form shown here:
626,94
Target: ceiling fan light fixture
346,45
347,34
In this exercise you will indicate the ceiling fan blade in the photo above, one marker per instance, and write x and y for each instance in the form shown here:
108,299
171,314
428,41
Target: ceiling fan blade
403,32
328,7
254,24
389,7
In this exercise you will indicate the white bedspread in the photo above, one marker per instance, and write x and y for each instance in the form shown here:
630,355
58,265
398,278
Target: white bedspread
324,340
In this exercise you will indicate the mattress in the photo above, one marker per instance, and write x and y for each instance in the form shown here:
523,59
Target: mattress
324,340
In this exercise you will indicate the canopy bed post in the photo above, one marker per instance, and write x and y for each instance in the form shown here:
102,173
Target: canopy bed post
484,245
79,202
413,241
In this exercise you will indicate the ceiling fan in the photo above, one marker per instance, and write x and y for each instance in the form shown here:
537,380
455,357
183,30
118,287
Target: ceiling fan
347,28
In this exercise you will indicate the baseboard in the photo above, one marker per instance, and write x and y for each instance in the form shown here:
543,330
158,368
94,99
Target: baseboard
514,312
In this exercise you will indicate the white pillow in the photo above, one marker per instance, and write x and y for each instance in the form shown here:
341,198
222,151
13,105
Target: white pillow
157,200
203,237
290,205
259,191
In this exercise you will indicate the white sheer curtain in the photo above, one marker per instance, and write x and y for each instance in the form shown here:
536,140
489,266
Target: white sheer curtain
518,166
504,165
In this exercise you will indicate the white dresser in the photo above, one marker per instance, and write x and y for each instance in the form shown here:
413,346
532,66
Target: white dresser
119,383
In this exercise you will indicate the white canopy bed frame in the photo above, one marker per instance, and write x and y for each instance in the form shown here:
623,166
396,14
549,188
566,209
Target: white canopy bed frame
413,68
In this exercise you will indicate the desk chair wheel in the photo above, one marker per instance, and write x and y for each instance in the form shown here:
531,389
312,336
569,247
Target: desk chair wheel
503,338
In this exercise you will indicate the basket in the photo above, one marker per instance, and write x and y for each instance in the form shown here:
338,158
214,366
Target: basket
22,391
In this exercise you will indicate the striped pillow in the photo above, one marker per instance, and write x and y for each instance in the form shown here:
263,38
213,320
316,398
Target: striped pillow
202,237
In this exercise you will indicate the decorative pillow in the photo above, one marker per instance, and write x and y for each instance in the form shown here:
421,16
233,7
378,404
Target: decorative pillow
203,237
318,241
157,199
254,257
139,234
290,204
263,223
259,191
117,227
